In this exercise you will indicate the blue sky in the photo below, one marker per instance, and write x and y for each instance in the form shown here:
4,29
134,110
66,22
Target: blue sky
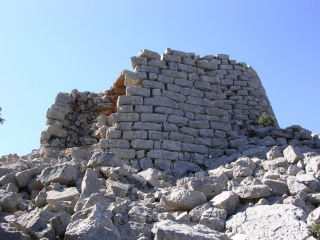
48,47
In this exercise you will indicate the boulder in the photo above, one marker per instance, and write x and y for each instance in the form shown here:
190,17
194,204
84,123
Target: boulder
9,201
90,183
134,230
292,154
278,221
226,200
94,223
243,167
214,218
60,223
7,233
181,199
24,176
168,229
64,194
274,153
63,173
117,188
195,214
100,158
253,191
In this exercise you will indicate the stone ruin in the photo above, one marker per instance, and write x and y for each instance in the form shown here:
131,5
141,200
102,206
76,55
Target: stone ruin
172,151
177,106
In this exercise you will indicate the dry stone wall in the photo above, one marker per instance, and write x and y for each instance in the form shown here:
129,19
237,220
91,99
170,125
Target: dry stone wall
174,107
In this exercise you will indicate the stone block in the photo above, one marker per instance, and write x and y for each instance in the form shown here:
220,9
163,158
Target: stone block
130,100
221,126
146,126
194,148
173,96
138,61
208,66
125,117
191,108
160,102
163,154
171,58
142,144
157,63
189,131
174,74
56,131
204,86
153,117
123,153
183,82
181,137
143,109
171,145
173,88
199,101
153,84
211,80
198,124
178,120
134,79
114,143
138,91
148,54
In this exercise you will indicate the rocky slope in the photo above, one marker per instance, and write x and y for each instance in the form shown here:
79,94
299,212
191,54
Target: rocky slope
89,181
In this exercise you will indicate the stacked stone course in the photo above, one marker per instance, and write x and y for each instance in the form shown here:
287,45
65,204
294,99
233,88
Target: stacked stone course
177,107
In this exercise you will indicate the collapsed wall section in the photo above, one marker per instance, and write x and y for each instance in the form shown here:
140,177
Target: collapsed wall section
174,107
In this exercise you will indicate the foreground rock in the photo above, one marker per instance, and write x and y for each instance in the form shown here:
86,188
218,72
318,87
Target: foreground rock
270,222
181,231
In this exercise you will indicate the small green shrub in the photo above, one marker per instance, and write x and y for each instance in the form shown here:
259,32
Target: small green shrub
314,230
267,121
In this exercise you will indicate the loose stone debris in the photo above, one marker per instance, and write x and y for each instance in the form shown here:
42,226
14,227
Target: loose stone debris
172,151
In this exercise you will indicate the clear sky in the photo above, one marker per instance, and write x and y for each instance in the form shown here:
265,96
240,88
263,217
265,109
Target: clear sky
50,46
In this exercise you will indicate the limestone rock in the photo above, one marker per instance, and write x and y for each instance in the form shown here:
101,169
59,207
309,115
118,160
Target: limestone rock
226,200
9,201
253,191
62,173
184,199
90,184
292,154
270,222
180,231
104,159
64,194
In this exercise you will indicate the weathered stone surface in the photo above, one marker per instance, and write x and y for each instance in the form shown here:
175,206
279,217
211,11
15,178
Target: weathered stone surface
9,201
226,200
182,231
104,159
181,199
90,183
243,167
8,233
292,154
118,188
270,222
94,223
62,173
60,223
64,194
214,218
253,191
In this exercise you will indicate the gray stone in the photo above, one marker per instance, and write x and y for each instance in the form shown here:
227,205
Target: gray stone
195,214
62,173
153,117
64,194
181,231
243,167
90,183
181,199
226,200
118,188
134,79
9,201
94,223
292,154
214,218
253,191
287,222
205,65
148,54
60,223
142,144
104,159
274,153
56,131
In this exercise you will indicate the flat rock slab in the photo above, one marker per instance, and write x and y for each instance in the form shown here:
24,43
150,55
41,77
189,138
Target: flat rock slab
167,230
279,221
66,194
62,173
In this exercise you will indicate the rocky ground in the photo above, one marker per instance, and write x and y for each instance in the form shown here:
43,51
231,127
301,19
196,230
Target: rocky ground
268,190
